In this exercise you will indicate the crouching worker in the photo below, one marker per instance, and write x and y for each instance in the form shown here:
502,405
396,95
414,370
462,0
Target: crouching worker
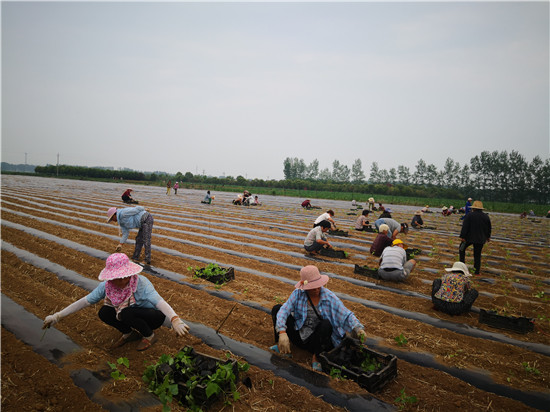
313,318
394,264
453,293
316,239
132,305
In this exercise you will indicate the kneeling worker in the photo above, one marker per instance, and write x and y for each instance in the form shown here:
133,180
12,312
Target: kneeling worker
394,264
316,239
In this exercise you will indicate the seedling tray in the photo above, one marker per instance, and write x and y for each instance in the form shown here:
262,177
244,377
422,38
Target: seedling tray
366,271
338,232
193,375
513,323
224,277
340,254
349,356
371,229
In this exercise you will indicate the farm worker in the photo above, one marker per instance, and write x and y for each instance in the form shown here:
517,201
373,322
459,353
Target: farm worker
371,203
134,218
132,305
453,293
417,221
325,216
176,187
362,223
168,187
467,208
316,239
313,318
127,198
386,214
381,242
306,204
394,264
207,198
394,226
476,230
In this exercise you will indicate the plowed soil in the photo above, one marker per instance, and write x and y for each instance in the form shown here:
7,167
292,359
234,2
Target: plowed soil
267,239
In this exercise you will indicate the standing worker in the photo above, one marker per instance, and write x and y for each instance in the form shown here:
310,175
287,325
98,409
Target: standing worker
134,218
168,187
476,230
176,187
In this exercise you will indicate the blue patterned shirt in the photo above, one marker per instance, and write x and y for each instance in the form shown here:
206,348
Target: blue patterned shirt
330,307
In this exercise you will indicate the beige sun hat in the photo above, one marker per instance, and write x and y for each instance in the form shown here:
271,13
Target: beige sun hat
459,267
477,205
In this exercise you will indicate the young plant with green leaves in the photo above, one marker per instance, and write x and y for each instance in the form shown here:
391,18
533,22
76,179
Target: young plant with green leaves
401,340
403,400
116,374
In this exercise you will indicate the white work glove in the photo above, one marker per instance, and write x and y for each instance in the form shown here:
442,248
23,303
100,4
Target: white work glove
51,320
284,343
179,326
72,308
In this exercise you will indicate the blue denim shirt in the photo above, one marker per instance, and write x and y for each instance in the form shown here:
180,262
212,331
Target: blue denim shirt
129,218
330,307
146,295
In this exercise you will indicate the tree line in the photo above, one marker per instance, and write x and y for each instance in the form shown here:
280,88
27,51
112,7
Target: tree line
495,176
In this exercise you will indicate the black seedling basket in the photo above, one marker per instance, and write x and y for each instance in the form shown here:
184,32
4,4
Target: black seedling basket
219,279
349,356
329,252
513,323
366,271
338,232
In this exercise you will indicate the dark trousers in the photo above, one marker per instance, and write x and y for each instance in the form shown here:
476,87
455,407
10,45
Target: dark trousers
319,341
143,238
144,320
453,308
315,247
477,255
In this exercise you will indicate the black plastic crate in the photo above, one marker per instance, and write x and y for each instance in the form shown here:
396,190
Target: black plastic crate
366,271
338,232
226,276
330,252
349,356
513,323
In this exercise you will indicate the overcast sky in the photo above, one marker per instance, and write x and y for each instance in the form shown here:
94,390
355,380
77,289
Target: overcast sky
235,88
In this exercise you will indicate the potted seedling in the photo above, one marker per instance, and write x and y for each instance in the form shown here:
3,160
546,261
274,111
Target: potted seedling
513,323
366,271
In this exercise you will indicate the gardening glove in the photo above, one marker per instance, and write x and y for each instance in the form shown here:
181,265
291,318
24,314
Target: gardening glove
51,320
179,326
284,343
118,248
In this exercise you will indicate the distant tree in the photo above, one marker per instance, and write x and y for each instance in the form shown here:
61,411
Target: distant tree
312,171
340,172
404,175
420,175
325,175
357,175
374,176
392,175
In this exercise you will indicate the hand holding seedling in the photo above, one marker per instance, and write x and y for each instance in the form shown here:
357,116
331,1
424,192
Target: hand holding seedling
50,320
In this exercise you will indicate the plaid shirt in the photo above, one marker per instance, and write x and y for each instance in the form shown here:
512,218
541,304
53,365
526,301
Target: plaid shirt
330,307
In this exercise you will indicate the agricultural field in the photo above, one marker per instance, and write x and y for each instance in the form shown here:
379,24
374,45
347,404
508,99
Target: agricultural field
55,242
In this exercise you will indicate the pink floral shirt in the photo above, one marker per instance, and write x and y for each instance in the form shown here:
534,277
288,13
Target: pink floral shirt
453,286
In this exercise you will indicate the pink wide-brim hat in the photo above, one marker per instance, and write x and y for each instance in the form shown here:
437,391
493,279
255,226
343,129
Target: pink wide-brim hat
311,278
110,213
118,266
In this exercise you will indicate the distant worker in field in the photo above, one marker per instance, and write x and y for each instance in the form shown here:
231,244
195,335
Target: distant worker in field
207,198
382,241
467,208
362,222
313,318
454,293
417,221
476,230
316,239
176,187
426,209
132,305
168,187
394,227
328,215
371,203
394,264
127,197
134,218
306,204
385,214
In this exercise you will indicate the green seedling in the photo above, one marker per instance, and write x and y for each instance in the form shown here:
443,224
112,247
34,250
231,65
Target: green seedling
116,374
401,340
530,369
278,300
336,373
404,400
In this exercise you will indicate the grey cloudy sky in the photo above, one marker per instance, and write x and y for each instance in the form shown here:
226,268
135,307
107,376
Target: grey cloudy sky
235,88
